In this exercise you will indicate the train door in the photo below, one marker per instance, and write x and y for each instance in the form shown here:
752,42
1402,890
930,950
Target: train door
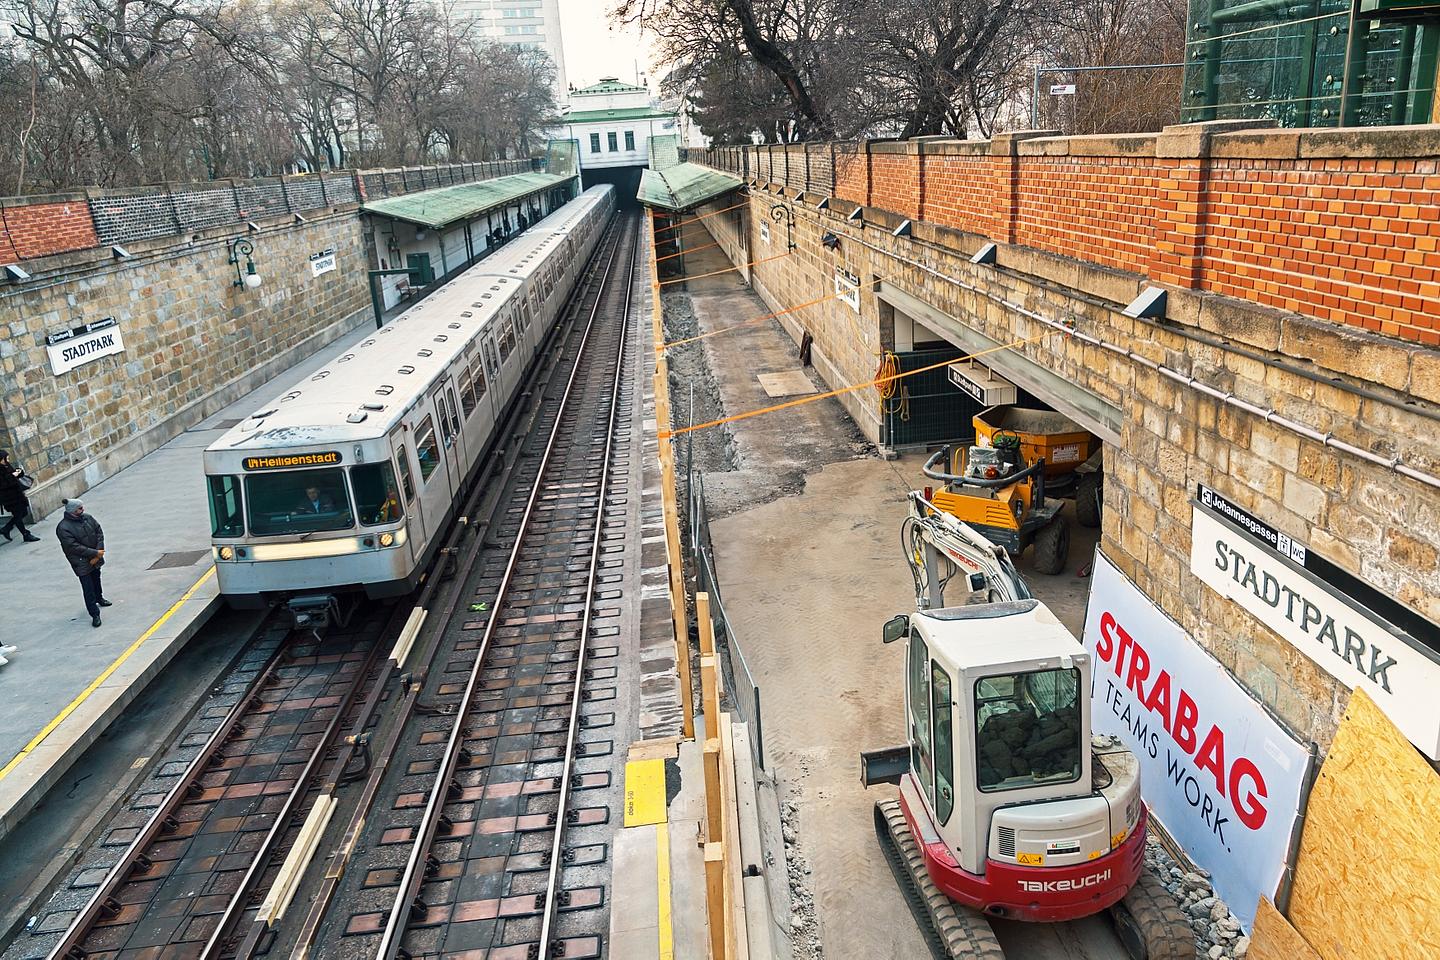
448,426
498,395
414,512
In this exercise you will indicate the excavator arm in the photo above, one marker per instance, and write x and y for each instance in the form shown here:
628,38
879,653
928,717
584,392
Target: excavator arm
940,548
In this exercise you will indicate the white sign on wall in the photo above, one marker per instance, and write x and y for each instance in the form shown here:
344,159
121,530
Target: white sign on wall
1342,637
1221,775
847,288
1062,89
764,233
322,262
84,345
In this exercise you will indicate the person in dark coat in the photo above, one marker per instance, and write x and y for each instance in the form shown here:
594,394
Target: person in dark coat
84,544
13,499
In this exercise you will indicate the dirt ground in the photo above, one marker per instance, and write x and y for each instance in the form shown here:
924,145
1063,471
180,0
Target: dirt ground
805,522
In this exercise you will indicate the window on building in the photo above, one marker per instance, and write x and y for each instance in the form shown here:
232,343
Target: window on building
594,143
629,139
614,141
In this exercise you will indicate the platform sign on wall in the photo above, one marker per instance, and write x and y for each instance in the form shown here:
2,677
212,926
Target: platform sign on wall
847,288
1215,768
322,262
1246,560
82,345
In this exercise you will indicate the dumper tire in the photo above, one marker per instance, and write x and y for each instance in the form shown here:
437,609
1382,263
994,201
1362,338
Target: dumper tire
1052,546
1087,499
952,930
1150,923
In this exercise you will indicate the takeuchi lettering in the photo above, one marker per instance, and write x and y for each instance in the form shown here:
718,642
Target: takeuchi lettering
294,460
1239,780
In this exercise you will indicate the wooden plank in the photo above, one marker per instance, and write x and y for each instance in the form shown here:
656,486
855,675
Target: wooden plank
715,898
1366,884
713,786
737,945
706,625
1273,938
664,748
709,692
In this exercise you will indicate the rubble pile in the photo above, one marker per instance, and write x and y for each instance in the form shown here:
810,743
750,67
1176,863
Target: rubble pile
1217,933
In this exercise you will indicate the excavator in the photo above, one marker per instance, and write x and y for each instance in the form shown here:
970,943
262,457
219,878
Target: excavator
1007,806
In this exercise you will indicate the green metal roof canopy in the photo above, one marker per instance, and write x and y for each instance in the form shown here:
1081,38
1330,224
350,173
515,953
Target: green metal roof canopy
438,208
683,186
616,113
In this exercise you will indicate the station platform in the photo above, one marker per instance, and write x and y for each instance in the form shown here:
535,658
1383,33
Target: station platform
68,680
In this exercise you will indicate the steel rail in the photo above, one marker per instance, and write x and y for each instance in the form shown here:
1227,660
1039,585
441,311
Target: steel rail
413,875
349,843
103,902
552,880
240,900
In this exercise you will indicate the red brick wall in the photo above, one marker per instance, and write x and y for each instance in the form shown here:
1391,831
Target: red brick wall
40,229
1101,209
1353,239
1349,240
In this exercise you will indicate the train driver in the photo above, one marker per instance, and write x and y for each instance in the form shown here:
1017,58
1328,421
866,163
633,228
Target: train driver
316,501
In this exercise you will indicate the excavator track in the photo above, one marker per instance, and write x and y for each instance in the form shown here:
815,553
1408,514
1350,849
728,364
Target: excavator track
1150,923
953,931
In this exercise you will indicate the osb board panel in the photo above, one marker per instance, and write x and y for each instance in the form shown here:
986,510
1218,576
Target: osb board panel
1274,939
1366,885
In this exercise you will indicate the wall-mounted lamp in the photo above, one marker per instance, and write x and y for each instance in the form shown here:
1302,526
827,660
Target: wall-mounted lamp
781,213
246,277
830,242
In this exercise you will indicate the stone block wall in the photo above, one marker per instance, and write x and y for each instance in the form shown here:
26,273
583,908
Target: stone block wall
1329,373
1335,224
193,340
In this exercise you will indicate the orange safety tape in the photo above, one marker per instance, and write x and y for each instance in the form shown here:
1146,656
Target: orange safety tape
704,216
683,252
749,323
667,434
716,273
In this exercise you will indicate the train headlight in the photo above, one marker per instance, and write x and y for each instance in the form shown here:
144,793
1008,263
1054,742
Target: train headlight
227,553
387,539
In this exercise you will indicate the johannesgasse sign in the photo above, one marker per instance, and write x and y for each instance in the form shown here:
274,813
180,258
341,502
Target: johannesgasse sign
1247,561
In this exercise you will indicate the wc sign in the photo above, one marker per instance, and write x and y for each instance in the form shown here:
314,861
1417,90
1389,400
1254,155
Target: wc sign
81,345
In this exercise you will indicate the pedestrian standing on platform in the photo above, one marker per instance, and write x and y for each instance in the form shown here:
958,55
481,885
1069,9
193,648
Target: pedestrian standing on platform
84,544
14,481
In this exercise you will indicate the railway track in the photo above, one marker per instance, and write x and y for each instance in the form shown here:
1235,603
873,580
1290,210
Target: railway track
372,797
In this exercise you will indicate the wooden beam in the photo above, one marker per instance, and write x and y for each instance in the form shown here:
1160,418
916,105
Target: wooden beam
714,786
715,898
710,694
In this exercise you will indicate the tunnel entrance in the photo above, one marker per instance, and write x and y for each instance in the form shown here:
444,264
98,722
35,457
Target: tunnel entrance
626,181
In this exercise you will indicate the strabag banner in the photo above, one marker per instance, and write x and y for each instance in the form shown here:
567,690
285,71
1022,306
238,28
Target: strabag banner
1222,776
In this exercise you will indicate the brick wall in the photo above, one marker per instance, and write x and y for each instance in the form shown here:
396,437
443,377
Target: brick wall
34,227
1363,517
1342,225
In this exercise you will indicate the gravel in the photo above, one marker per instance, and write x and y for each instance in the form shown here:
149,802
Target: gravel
1218,933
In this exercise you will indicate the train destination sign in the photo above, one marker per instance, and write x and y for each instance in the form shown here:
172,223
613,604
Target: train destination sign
82,345
1243,560
327,459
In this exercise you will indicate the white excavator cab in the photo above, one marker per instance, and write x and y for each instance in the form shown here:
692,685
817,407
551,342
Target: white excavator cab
997,713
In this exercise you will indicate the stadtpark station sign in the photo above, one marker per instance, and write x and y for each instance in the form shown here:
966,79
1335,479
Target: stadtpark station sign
1352,631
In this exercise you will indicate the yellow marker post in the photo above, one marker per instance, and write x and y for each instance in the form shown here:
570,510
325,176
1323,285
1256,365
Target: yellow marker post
644,792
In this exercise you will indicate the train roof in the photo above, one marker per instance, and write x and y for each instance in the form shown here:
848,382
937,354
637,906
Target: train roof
341,402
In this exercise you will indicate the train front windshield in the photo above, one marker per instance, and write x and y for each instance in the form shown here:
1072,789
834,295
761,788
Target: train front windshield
300,501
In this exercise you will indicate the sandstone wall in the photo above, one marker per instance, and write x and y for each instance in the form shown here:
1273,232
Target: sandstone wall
1332,374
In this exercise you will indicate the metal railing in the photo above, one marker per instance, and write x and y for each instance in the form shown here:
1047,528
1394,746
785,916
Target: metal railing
742,693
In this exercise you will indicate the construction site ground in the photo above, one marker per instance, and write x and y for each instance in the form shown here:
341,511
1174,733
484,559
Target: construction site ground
805,519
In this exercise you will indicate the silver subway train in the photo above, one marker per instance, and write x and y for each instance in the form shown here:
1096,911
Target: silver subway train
346,481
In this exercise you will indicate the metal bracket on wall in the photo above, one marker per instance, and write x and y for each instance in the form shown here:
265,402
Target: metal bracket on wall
783,213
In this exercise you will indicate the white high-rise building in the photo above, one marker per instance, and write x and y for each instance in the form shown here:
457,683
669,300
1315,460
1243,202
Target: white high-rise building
533,23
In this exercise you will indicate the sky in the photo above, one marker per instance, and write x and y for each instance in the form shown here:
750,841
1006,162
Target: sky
595,48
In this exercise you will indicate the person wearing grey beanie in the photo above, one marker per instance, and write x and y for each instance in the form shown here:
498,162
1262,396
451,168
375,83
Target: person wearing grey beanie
83,541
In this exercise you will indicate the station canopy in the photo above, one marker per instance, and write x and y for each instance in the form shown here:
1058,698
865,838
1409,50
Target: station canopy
438,208
684,186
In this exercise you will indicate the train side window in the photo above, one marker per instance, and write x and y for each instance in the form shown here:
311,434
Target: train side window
478,369
507,341
454,409
426,449
403,459
447,419
225,517
467,391
376,499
